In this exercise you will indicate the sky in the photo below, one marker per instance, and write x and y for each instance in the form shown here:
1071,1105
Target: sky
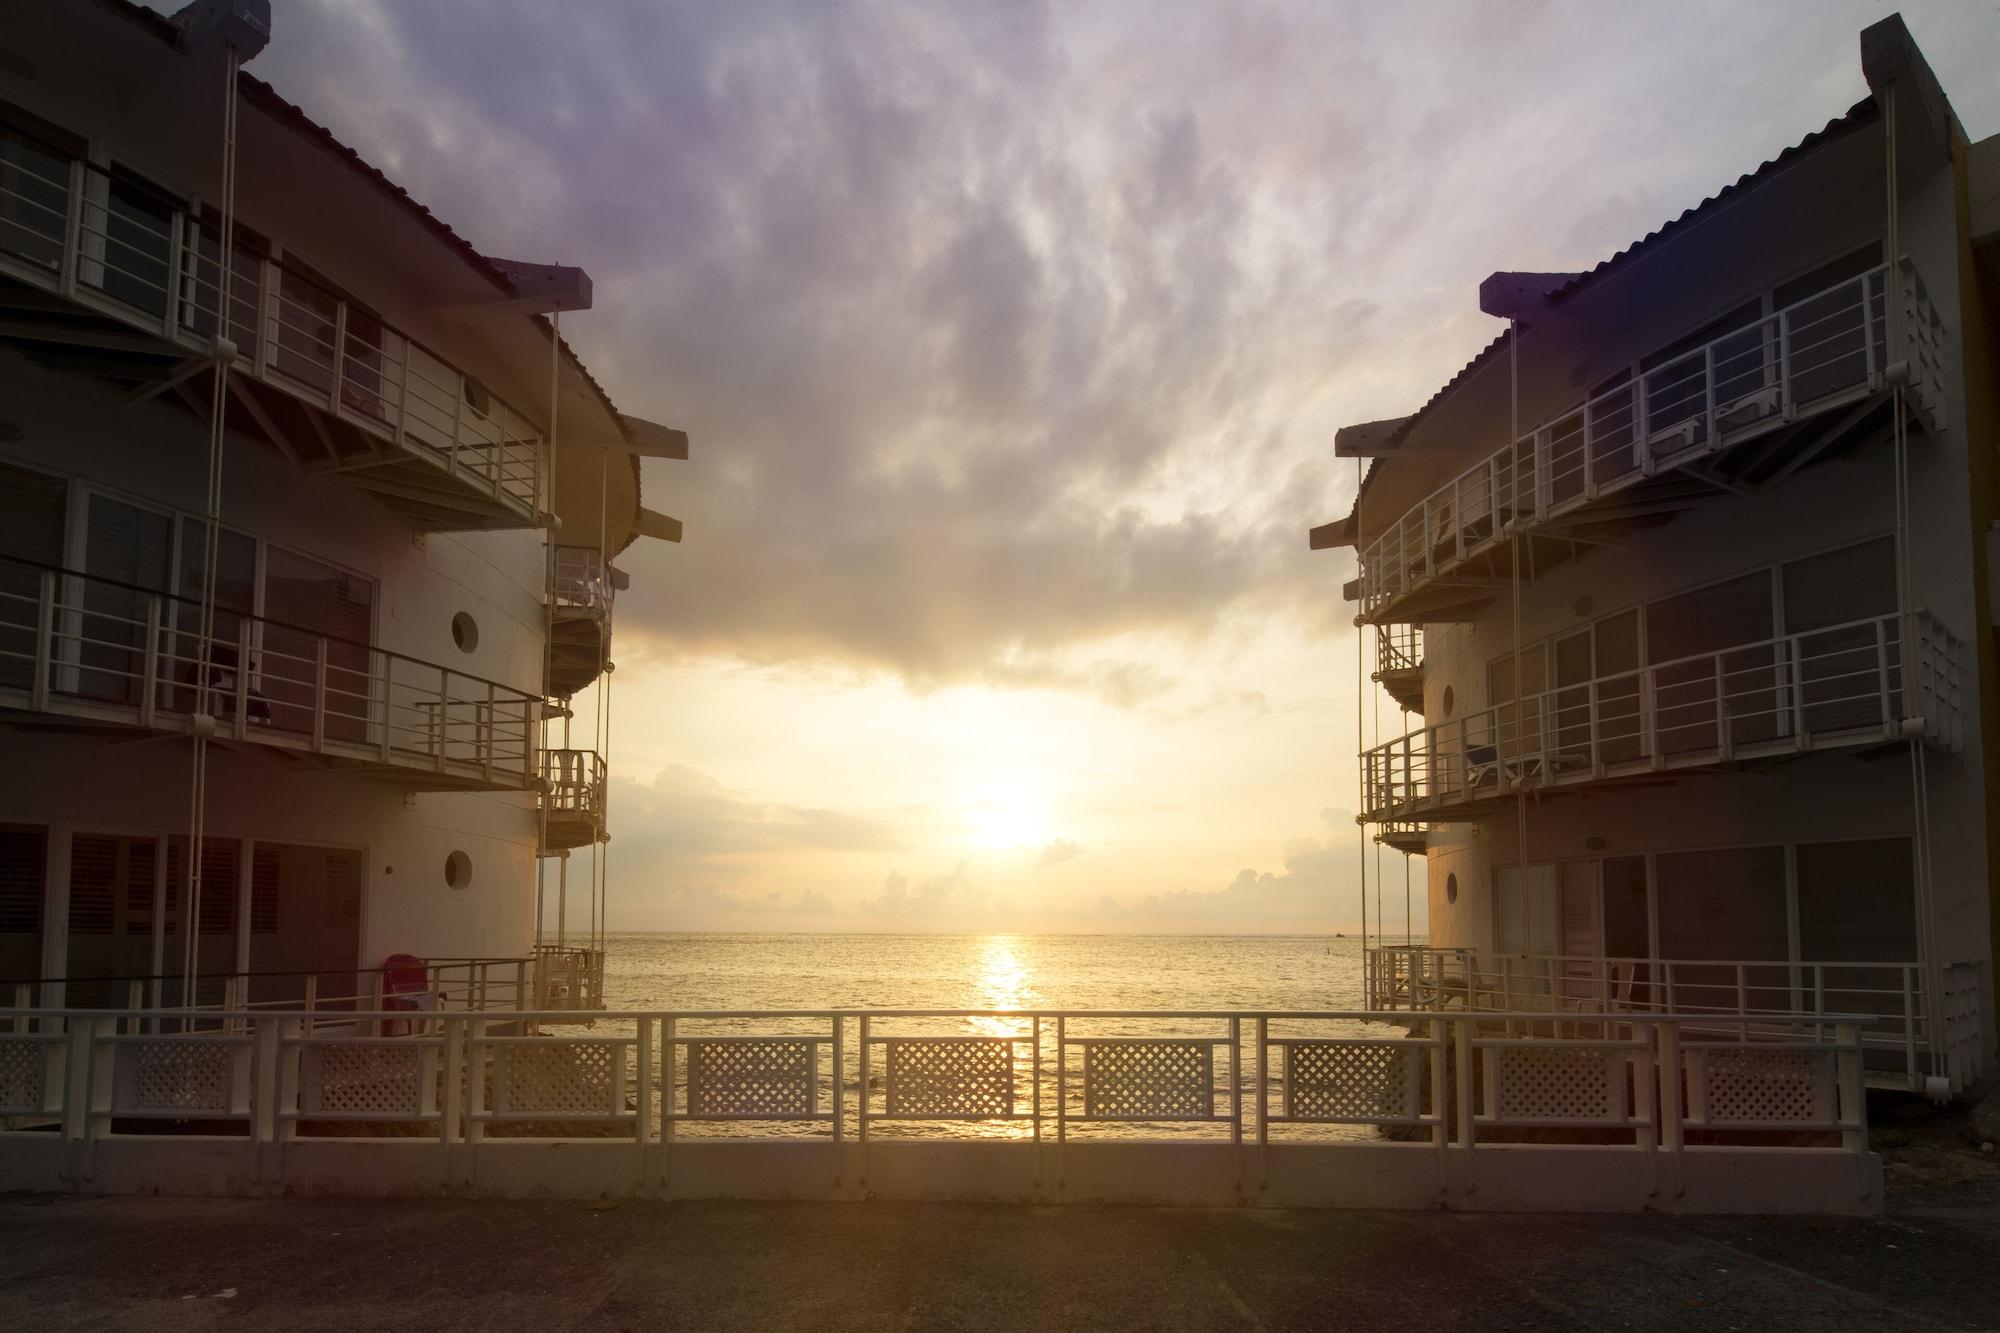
1012,339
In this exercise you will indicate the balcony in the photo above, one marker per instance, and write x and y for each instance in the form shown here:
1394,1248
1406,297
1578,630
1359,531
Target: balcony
580,620
569,980
572,799
1399,664
1802,384
117,279
79,649
1842,688
1740,998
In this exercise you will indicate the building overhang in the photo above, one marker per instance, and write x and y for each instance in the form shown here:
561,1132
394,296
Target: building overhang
1368,439
657,526
1925,124
1523,297
1328,536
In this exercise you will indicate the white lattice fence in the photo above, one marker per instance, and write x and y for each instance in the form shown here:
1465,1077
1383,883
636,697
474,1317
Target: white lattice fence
964,1077
559,1078
24,1065
752,1078
191,1075
1544,1082
1350,1081
1148,1079
368,1079
1746,1085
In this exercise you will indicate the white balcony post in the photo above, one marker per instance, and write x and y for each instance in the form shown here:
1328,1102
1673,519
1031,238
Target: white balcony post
243,677
1910,993
1882,680
45,626
339,391
149,674
1458,510
1852,1092
443,738
319,696
1671,1071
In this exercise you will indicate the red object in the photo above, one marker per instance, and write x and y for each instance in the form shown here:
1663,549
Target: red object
406,982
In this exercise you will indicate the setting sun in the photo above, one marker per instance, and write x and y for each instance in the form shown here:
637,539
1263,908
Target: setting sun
1005,816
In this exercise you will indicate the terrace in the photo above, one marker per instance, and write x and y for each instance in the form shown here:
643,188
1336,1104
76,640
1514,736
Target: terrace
101,271
572,799
1855,686
579,619
77,648
1739,412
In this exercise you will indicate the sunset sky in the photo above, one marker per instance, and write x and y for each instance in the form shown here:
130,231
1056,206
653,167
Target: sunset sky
1012,339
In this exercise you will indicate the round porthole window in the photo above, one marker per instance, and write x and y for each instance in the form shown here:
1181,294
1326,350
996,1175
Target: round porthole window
1448,701
464,632
1451,888
457,870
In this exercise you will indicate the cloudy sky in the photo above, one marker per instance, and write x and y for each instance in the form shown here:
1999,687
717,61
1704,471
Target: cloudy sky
1012,338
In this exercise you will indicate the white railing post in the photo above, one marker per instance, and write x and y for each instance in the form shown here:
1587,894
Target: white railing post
1852,1093
242,702
149,674
319,695
1671,1073
45,635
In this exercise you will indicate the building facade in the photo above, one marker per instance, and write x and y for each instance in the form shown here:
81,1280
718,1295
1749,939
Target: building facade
1685,583
304,552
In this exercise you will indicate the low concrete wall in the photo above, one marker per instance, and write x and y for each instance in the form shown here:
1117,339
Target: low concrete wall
1491,1177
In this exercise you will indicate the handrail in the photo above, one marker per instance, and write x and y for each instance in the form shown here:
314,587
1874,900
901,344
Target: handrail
582,578
1809,354
136,660
293,333
1771,691
38,567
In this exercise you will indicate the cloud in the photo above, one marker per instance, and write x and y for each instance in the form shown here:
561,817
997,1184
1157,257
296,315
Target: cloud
1317,888
1057,852
929,898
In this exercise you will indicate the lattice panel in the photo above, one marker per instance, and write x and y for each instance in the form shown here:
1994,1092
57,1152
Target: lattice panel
164,1074
1351,1080
960,1076
767,1076
23,1069
1771,1087
362,1080
558,1078
1560,1083
1149,1080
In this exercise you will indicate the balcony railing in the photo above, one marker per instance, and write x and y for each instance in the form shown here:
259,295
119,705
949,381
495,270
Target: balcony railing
116,247
77,646
1817,354
1273,1108
582,581
1741,996
1840,687
568,979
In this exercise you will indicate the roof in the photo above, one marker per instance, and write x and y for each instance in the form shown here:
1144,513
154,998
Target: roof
1861,114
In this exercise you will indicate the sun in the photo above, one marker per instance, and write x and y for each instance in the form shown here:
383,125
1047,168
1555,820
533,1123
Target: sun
1004,816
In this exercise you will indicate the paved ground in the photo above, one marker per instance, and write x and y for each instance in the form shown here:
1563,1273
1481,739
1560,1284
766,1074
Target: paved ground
165,1264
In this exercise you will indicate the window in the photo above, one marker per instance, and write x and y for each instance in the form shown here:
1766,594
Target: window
216,943
34,187
202,289
32,510
1698,625
1517,722
1857,901
127,555
304,922
139,221
306,600
1835,603
23,855
1831,330
111,883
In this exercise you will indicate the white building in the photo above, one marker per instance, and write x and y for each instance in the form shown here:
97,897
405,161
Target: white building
419,488
1686,580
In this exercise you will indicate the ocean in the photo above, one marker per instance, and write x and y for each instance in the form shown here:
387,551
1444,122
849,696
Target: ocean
974,972
674,971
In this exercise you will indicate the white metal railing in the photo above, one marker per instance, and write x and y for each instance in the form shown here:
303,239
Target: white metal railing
79,646
582,580
1841,686
1240,1078
122,249
1398,648
573,782
1809,357
569,979
1736,996
326,997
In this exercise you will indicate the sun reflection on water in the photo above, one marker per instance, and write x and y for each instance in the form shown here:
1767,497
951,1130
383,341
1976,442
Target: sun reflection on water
1003,984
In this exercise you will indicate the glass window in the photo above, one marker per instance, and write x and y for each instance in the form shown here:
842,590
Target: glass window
127,555
22,858
34,193
1728,903
306,601
33,506
1836,604
300,922
1698,625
